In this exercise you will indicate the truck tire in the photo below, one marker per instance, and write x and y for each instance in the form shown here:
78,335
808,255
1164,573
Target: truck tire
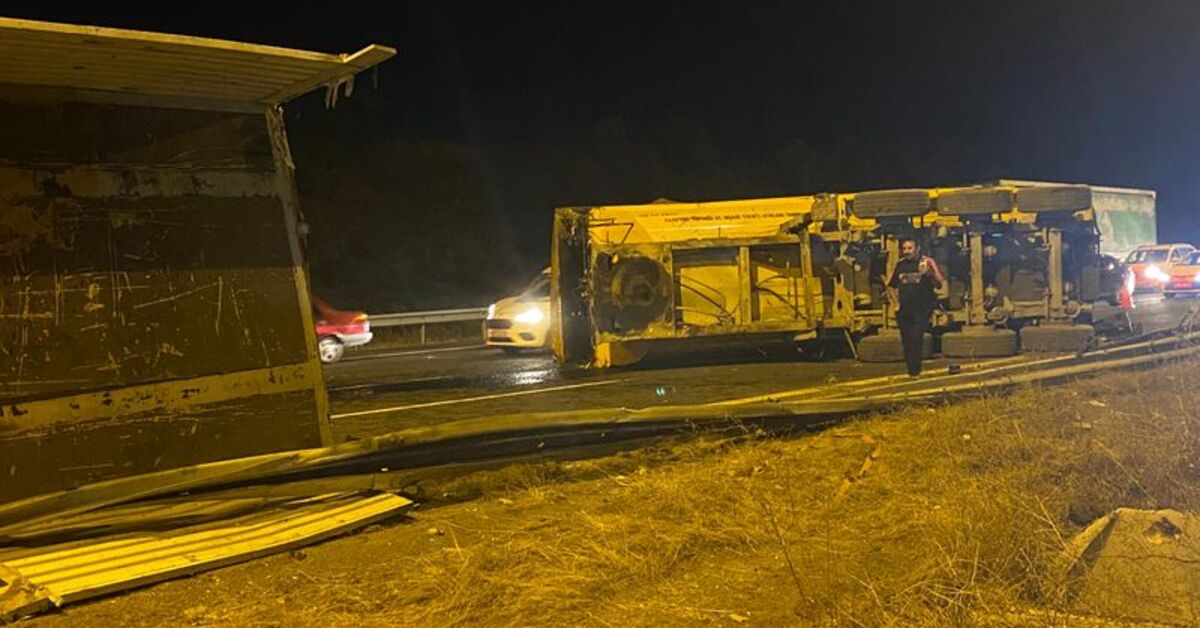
886,347
1054,198
975,342
1056,338
975,201
888,203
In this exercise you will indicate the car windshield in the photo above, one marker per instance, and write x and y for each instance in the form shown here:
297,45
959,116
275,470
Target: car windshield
538,289
1145,256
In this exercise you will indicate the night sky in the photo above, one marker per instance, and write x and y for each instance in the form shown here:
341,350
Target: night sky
492,114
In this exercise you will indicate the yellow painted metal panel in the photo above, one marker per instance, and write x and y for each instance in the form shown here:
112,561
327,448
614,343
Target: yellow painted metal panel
86,569
166,397
676,222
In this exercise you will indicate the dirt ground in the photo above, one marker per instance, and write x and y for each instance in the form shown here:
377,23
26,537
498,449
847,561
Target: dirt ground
954,515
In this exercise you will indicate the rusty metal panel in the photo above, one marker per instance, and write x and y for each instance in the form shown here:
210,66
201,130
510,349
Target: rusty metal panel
152,309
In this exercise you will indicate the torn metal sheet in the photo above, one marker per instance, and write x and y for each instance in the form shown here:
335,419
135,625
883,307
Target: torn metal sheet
35,579
157,64
160,514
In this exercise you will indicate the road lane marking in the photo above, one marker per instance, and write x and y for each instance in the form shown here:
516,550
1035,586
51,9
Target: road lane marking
397,354
448,402
402,382
854,383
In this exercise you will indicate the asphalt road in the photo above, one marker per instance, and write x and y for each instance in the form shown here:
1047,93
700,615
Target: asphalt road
375,393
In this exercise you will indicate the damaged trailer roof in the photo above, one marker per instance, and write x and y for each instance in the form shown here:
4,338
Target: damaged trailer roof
154,64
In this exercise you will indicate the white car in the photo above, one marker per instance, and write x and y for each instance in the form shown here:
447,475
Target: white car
522,321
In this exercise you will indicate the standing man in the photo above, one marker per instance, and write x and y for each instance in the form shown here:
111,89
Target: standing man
912,287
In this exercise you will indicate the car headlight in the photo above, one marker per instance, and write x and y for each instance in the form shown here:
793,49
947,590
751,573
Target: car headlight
532,316
491,311
1154,272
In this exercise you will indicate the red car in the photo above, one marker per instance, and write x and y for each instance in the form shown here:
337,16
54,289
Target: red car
1152,263
1185,278
338,329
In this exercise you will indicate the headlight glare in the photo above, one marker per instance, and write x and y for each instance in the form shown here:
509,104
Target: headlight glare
531,316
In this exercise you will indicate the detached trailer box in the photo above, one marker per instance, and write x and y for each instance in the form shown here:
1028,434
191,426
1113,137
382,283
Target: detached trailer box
154,306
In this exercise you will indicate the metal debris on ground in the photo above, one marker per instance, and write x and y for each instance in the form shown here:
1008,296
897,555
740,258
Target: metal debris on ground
35,578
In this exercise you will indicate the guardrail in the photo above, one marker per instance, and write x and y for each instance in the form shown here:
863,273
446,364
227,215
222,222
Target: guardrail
432,317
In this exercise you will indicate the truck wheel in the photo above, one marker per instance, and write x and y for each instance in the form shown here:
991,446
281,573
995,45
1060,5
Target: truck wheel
886,347
888,203
330,349
975,342
975,201
1056,338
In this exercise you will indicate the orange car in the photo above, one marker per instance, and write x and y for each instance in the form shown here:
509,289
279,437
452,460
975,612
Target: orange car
1152,263
1185,278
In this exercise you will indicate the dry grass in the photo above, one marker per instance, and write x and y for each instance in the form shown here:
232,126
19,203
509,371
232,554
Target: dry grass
958,520
962,515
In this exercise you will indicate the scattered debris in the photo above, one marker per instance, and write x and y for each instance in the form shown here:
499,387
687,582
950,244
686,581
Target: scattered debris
37,578
1139,565
866,465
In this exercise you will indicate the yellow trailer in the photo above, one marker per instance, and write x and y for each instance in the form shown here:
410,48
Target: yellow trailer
627,279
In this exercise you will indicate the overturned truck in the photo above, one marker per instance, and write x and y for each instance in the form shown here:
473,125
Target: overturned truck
1023,260
154,306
